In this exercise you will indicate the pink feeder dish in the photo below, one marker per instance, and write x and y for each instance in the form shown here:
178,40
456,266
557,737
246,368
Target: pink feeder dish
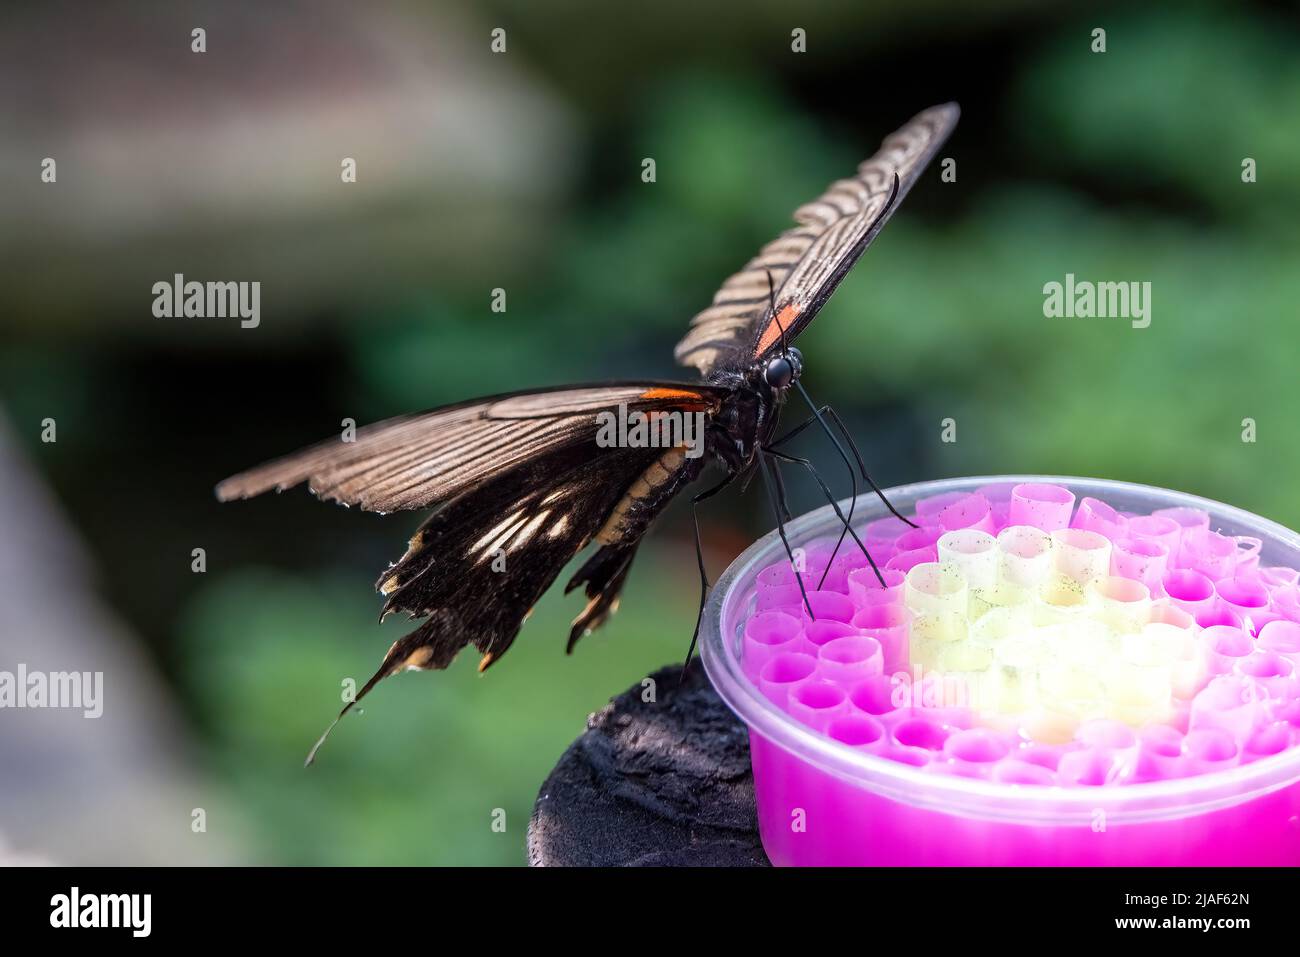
868,718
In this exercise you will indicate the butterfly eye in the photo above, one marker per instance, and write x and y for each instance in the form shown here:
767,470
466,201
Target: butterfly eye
779,372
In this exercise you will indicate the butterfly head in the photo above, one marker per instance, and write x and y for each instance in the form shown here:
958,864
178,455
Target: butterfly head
782,370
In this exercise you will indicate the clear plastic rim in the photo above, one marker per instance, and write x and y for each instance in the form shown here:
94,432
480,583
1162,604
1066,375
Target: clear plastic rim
1133,803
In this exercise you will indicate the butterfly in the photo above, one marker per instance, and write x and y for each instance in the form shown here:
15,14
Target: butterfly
520,483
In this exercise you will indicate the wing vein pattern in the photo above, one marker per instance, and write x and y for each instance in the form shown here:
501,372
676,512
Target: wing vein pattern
808,260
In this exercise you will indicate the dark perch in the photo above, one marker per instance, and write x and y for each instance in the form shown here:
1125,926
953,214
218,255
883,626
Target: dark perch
663,783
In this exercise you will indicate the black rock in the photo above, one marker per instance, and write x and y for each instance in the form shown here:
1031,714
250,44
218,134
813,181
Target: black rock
664,782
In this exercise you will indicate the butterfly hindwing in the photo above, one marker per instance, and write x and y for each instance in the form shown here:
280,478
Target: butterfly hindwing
477,565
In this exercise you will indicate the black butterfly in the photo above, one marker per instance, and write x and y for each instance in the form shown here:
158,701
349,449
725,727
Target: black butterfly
521,483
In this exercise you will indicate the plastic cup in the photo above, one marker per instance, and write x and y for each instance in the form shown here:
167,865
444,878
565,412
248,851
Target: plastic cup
856,730
827,605
877,800
1224,644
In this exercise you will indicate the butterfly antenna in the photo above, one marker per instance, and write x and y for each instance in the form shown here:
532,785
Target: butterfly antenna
771,304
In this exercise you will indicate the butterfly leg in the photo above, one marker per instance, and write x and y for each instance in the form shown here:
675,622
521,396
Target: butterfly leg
829,412
779,481
853,481
812,470
780,527
699,558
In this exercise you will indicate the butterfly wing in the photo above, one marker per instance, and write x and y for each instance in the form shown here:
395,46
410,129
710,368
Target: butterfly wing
414,461
808,261
520,484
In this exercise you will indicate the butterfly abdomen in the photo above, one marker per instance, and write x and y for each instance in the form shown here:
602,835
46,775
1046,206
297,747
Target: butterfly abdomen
647,495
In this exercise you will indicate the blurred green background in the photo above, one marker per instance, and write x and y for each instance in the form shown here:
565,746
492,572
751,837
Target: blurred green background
521,171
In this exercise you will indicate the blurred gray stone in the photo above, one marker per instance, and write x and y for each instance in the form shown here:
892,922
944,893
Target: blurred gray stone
118,789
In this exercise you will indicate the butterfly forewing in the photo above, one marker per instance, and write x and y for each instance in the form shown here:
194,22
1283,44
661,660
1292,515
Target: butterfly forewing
808,261
418,460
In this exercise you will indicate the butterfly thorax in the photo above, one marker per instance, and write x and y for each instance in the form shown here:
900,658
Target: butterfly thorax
747,419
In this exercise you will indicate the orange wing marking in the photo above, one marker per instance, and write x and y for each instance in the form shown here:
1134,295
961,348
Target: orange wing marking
772,334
